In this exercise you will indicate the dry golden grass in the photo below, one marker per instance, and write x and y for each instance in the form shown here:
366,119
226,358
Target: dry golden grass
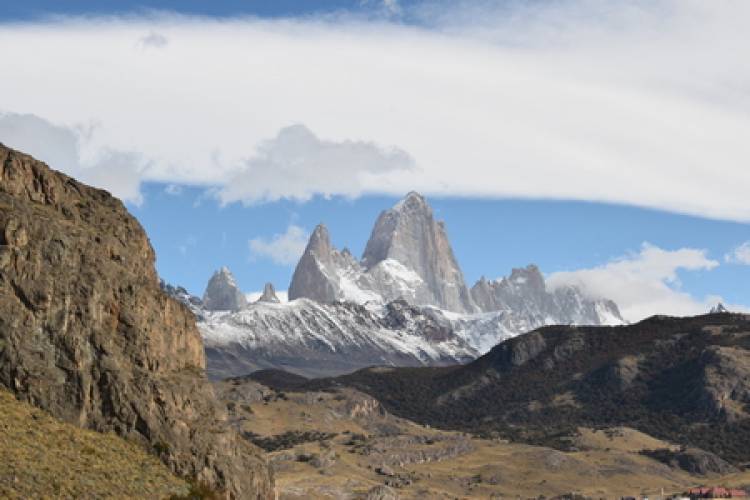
41,457
608,464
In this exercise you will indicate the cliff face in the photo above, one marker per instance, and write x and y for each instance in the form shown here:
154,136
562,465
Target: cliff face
87,334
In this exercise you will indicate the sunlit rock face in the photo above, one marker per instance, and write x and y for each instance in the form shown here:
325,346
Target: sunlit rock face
87,333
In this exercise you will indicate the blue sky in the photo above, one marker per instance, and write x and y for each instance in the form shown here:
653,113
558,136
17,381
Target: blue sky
33,9
604,141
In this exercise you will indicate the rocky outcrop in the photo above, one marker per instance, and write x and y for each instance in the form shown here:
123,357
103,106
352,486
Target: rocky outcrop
693,460
269,294
222,293
381,492
87,334
725,382
525,292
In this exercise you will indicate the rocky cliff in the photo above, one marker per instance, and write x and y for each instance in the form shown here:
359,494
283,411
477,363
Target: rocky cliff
87,334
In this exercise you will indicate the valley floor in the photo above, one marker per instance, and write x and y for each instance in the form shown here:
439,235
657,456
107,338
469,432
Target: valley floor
342,444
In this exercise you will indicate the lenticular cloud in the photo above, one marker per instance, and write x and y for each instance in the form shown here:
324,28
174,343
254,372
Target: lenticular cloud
625,102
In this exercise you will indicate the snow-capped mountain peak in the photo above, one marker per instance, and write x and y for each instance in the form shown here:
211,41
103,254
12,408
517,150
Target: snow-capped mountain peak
407,256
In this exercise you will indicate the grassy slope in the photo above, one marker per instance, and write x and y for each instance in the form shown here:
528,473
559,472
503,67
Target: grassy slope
41,457
606,466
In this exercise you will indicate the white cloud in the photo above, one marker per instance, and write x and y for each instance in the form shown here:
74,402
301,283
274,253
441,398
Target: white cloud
153,40
392,6
645,283
284,249
59,146
173,189
644,103
297,164
739,255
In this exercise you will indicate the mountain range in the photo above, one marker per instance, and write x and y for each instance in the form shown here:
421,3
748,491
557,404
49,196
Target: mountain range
404,303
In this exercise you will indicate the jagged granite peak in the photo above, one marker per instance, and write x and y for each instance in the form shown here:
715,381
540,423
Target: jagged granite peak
316,272
525,292
407,257
87,334
320,240
409,234
718,309
269,294
222,292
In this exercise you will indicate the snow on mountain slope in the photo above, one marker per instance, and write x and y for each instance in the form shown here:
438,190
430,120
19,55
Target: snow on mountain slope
314,339
321,339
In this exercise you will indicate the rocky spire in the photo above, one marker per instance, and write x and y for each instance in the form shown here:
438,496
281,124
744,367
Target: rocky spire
269,294
222,293
409,234
314,275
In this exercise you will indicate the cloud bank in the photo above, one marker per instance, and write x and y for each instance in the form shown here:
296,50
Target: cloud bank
643,103
645,283
60,146
296,164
